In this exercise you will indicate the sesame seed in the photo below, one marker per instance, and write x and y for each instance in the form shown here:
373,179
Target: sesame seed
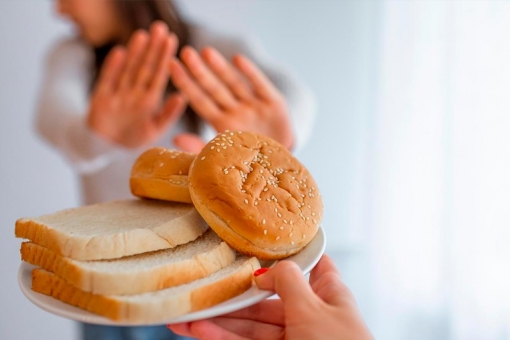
279,215
246,200
281,228
218,149
256,203
202,158
265,232
212,147
264,221
290,235
161,164
277,238
292,242
304,236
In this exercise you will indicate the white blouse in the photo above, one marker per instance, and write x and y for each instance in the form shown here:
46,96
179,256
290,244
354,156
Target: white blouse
104,167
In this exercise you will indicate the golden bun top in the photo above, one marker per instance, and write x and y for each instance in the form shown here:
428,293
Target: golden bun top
264,202
161,173
162,163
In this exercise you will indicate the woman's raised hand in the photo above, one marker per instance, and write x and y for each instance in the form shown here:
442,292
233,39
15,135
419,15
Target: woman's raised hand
230,96
322,309
127,104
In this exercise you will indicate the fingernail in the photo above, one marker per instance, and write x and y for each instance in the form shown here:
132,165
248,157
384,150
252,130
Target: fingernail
260,271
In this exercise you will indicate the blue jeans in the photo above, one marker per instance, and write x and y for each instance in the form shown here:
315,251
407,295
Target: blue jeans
99,332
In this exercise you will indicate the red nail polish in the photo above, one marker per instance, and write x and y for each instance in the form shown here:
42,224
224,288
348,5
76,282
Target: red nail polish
260,271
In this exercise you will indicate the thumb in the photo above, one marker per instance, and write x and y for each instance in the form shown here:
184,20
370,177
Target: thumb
287,280
189,142
172,110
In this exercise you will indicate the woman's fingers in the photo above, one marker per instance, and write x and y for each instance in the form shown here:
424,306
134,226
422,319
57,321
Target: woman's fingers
110,72
152,54
204,330
227,73
249,329
228,329
326,281
198,99
135,52
207,79
160,76
325,265
147,67
170,113
267,311
287,280
262,86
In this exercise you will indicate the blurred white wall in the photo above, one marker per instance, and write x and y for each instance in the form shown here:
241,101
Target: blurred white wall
330,44
411,150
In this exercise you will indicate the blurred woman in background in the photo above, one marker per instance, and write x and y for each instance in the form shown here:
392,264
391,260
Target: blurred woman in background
136,75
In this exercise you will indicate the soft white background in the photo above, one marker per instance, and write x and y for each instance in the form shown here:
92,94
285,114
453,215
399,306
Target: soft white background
411,150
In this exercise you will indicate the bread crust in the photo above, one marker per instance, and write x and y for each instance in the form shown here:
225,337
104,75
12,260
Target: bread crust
147,308
255,195
154,225
105,279
161,173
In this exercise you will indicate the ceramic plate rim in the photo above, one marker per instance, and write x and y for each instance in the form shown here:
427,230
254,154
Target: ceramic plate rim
305,259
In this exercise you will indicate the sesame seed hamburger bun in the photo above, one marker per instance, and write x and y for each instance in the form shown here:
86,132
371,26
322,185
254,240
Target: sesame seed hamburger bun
161,173
255,195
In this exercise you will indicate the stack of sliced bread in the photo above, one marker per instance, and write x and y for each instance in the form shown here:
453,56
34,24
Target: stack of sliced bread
136,261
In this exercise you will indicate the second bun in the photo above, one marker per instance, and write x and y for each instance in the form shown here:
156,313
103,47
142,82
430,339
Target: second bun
161,173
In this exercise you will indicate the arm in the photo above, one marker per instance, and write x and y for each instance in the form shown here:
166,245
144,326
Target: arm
62,106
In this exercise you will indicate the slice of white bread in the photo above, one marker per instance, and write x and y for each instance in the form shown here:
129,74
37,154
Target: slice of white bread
138,273
114,229
153,307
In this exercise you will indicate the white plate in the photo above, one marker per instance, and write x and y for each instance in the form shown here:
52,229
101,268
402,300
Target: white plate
305,259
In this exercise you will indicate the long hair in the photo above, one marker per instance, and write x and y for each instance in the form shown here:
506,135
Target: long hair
139,14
